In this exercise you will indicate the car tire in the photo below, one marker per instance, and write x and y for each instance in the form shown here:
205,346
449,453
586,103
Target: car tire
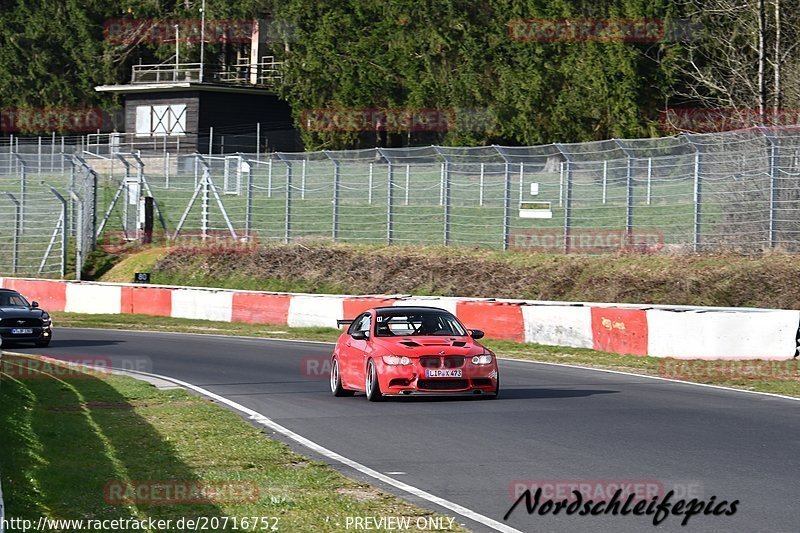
336,381
491,396
42,344
371,384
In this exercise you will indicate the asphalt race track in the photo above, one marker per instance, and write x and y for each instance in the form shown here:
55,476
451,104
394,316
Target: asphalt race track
552,424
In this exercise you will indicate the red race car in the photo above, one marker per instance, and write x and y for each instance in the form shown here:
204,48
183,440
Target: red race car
404,351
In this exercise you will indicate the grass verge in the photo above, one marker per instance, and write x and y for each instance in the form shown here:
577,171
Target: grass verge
67,434
777,377
771,280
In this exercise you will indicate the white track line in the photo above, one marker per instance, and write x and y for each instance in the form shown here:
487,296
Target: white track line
311,445
721,387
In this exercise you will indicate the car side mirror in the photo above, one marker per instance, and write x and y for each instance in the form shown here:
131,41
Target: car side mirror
359,335
34,304
476,334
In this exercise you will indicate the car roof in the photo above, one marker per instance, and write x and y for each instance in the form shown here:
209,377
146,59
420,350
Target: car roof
9,290
411,309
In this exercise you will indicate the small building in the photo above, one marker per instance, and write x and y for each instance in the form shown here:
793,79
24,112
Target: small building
188,107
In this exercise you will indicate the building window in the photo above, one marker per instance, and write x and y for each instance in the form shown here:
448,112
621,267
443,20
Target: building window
160,120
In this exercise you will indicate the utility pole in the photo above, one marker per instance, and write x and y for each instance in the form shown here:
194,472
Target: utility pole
776,95
762,61
203,38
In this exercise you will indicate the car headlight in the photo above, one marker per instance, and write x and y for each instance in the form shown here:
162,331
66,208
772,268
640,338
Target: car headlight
396,360
484,359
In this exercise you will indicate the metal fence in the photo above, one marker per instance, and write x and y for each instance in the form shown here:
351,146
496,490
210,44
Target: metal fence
689,193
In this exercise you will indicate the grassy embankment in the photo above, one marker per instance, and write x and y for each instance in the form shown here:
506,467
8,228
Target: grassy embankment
67,434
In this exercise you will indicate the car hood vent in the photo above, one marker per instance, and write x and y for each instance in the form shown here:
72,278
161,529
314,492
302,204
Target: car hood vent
410,343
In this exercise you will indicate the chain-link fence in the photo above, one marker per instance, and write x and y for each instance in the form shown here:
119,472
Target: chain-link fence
689,193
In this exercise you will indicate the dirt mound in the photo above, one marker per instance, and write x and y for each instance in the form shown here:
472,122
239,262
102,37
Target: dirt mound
722,280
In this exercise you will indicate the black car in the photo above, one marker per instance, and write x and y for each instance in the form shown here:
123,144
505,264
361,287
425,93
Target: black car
21,321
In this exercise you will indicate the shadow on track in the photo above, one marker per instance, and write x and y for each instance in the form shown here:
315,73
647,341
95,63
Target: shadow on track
508,394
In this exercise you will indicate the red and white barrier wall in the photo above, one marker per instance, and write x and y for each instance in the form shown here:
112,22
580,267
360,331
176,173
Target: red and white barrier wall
660,331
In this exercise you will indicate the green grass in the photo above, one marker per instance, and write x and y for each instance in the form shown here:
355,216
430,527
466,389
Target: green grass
418,215
692,370
66,437
770,280
143,261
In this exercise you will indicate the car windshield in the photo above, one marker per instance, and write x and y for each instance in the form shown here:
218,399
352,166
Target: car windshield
416,323
12,299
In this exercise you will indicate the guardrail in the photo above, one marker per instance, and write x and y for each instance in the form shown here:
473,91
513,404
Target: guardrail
681,332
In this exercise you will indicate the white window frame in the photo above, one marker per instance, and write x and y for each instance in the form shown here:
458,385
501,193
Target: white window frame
161,120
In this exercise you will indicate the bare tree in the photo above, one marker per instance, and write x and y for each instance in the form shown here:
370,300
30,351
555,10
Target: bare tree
727,64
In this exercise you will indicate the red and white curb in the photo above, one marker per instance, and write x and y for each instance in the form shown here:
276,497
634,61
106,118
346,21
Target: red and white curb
682,332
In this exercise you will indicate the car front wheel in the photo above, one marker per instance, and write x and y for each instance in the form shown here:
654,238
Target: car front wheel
43,343
371,385
336,380
496,390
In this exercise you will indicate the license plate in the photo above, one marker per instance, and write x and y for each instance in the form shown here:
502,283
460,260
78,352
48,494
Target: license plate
442,373
22,331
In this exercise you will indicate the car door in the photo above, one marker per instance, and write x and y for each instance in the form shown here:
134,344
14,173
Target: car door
358,351
351,355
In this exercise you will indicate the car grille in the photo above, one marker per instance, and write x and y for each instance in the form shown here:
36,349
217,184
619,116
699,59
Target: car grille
442,384
430,362
21,322
452,361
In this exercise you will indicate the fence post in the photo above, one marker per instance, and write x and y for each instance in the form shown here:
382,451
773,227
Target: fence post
441,184
446,197
629,201
23,190
79,237
605,181
408,182
39,154
370,184
204,211
336,178
561,184
389,195
773,194
303,180
506,205
480,189
649,178
17,225
73,224
568,210
697,203
63,231
258,141
287,233
93,185
248,217
269,178
521,180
